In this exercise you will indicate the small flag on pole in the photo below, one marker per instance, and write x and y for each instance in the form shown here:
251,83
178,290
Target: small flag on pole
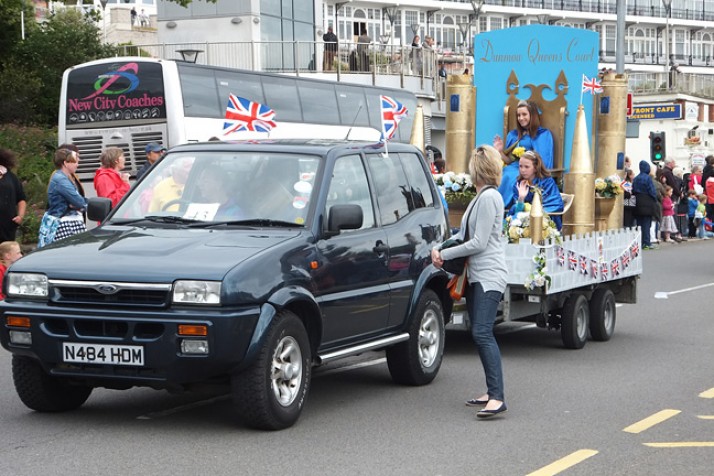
591,86
245,115
392,112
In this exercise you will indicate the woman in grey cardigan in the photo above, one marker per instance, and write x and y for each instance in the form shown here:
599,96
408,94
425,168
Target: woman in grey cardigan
486,271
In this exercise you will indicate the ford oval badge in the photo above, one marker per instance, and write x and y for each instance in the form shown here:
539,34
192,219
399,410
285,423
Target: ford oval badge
107,288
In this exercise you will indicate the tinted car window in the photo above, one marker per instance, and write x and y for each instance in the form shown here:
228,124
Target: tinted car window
282,93
319,103
391,186
349,186
418,181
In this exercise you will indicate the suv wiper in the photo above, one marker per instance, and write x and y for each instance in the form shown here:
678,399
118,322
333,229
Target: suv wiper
249,222
170,219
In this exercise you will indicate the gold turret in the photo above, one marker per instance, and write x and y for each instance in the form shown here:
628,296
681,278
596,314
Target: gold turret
611,142
580,181
417,137
460,120
536,217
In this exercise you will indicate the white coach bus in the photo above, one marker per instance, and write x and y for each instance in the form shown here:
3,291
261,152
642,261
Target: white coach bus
127,102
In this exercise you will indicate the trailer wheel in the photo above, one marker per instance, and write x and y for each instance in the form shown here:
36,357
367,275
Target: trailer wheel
602,314
574,326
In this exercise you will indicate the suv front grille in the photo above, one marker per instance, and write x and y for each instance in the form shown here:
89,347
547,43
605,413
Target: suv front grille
116,294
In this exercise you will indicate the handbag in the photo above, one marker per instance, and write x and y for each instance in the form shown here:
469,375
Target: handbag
48,229
457,286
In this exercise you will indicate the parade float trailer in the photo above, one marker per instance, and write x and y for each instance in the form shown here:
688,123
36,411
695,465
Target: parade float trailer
570,283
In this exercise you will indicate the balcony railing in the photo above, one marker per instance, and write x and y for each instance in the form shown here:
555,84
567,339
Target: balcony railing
416,66
700,85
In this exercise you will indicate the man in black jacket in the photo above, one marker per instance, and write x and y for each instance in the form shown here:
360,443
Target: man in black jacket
330,40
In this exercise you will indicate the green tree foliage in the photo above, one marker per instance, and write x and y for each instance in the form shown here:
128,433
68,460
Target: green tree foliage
31,72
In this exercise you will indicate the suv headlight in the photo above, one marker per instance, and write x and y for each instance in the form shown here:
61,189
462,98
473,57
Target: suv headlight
197,292
27,285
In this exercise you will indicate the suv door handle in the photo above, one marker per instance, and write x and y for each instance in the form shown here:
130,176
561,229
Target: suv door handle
380,248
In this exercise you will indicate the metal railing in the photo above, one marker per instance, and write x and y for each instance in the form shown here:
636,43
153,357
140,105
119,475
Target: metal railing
700,85
300,56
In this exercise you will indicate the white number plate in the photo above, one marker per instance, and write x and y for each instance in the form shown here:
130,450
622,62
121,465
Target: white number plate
103,354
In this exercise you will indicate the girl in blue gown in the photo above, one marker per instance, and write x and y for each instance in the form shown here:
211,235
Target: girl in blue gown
529,135
533,173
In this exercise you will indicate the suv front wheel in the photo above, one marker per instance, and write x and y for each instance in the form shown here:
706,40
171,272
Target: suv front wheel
270,394
417,360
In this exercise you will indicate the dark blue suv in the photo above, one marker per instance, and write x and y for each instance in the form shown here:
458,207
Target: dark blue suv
244,263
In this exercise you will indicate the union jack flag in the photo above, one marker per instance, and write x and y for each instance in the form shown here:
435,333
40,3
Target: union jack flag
593,268
615,265
561,255
634,250
245,115
584,265
392,112
625,260
603,271
572,260
591,86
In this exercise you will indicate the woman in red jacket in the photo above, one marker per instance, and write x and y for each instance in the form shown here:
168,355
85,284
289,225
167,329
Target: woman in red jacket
109,180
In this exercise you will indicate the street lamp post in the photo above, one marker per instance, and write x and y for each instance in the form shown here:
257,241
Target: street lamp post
477,6
668,12
104,18
465,27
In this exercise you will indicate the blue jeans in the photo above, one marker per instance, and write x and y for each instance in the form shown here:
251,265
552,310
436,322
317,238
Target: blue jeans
645,222
483,307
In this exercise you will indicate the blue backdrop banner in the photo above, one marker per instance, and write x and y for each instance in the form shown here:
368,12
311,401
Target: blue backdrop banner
534,59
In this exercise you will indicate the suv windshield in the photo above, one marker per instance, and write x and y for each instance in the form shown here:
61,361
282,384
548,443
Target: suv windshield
225,187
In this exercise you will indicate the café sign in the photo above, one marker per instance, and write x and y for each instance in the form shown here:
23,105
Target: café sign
656,111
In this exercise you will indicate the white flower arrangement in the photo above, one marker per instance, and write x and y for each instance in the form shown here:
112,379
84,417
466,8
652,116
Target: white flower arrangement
539,277
608,187
457,188
518,227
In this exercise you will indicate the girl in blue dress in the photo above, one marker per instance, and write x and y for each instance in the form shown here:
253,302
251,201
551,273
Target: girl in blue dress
534,174
529,135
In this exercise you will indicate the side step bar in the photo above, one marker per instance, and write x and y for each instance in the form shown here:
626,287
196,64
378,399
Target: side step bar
358,349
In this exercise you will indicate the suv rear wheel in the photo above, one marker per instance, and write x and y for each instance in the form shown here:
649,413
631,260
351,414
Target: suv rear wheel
43,393
270,394
417,360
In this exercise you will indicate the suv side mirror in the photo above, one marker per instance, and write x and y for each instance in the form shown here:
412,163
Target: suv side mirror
98,208
344,217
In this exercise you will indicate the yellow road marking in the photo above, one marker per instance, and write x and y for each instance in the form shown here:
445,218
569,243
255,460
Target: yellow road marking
706,417
651,421
682,444
564,463
707,393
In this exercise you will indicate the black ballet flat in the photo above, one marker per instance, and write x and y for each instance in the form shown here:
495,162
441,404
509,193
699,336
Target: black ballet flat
474,402
492,413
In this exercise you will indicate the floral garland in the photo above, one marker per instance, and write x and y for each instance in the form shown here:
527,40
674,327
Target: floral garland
539,277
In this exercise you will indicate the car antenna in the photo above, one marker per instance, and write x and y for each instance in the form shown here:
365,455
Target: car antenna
354,121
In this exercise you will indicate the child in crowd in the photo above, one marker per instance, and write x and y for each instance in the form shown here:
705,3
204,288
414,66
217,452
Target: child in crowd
668,227
9,253
693,203
700,219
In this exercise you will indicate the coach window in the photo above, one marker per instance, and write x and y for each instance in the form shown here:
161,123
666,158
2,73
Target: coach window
247,86
319,104
352,105
200,98
391,186
281,95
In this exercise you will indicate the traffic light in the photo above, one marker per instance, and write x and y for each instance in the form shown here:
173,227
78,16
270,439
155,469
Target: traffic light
658,150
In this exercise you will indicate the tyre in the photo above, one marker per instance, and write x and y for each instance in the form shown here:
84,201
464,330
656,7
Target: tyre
574,325
270,394
417,360
43,393
602,314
